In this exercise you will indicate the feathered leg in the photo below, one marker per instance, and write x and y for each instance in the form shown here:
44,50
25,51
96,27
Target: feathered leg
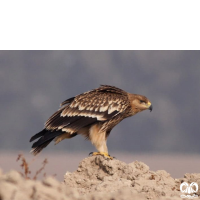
98,139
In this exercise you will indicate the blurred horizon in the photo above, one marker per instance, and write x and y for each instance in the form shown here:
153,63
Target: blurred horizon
34,83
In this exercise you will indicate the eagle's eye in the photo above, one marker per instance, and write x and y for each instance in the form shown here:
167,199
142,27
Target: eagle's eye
142,102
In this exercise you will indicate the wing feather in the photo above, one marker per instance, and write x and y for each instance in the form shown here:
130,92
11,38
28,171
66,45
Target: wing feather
100,104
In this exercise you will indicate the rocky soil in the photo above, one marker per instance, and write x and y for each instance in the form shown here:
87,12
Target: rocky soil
97,178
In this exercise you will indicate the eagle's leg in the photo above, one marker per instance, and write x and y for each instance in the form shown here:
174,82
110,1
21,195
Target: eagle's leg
98,139
102,150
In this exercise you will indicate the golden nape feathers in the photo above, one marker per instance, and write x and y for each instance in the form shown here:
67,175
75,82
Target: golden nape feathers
92,114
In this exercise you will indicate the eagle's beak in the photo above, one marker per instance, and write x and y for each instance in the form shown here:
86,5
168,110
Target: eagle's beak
150,106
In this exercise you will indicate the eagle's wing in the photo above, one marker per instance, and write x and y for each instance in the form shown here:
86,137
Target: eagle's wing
78,112
85,109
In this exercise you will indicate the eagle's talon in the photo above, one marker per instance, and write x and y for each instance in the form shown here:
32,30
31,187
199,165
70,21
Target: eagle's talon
106,155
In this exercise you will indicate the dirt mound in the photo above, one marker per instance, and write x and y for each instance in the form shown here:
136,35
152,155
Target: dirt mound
100,175
98,178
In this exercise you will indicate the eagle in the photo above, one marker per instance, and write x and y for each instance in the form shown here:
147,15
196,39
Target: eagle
92,114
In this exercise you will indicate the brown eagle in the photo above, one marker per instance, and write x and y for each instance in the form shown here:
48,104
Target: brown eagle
92,114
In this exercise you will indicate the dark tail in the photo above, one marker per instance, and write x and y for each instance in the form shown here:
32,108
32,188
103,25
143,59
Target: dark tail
40,134
45,137
36,150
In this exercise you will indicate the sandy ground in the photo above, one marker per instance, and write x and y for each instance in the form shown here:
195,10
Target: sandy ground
98,178
58,163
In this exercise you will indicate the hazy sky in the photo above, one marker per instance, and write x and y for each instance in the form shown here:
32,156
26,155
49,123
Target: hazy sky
34,83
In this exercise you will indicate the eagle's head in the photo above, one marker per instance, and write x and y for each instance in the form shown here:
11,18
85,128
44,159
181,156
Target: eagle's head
139,103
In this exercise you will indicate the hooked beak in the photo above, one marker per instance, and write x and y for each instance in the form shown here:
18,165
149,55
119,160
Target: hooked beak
150,106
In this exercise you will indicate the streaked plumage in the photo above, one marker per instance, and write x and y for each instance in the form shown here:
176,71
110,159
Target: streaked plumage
92,114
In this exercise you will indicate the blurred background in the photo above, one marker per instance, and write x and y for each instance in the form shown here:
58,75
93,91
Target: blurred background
34,83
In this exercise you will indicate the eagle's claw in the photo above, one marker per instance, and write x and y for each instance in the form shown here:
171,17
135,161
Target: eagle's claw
102,154
90,153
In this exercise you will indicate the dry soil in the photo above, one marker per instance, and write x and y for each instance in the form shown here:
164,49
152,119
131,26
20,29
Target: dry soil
97,178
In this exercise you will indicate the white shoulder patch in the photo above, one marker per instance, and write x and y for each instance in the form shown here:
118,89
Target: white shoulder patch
103,108
81,107
111,109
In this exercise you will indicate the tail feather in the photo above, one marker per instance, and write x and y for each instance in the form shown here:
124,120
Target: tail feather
48,135
45,137
40,134
39,148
